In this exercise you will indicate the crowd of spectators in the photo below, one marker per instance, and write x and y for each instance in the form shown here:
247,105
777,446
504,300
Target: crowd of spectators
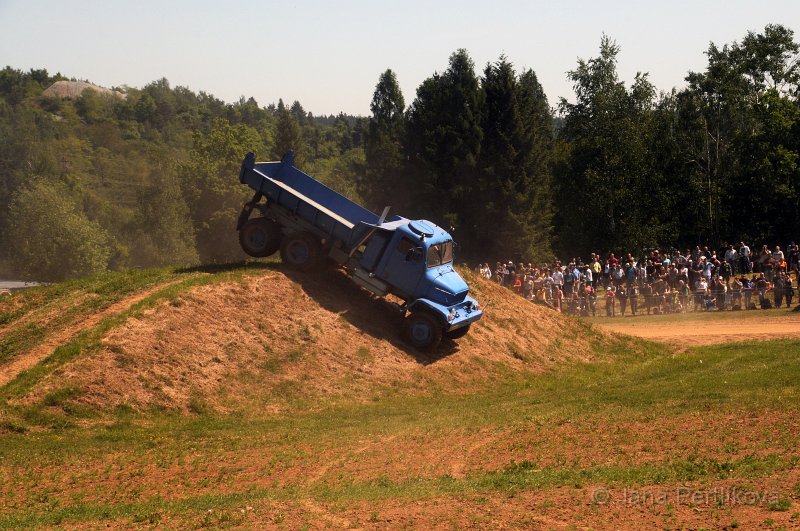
731,278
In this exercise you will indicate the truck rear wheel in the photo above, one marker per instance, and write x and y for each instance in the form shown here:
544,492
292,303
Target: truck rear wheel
458,332
423,331
260,237
301,250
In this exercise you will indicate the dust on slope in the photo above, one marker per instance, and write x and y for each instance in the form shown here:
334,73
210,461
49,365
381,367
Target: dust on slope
264,342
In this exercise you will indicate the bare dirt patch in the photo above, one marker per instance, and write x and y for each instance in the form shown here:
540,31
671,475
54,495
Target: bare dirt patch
740,326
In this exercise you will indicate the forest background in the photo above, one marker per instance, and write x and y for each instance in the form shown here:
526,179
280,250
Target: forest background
149,177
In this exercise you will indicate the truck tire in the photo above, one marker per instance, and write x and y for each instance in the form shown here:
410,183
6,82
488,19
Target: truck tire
458,332
423,331
301,250
260,237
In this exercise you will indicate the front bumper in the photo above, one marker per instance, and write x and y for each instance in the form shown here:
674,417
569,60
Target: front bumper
457,316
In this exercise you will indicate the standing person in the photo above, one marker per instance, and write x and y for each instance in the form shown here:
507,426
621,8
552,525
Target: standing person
777,290
591,299
610,301
633,298
617,275
558,296
726,270
683,293
793,252
622,295
700,292
745,266
641,274
762,286
708,270
777,255
597,269
747,290
788,291
528,288
730,258
557,276
630,274
763,259
647,293
517,283
736,294
569,281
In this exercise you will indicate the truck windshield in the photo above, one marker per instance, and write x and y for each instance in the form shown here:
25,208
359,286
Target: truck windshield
441,253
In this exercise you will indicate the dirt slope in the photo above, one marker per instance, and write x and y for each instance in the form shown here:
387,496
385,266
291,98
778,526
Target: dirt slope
267,341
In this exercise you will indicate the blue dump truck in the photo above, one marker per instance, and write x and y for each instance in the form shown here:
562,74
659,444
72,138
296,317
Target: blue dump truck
311,224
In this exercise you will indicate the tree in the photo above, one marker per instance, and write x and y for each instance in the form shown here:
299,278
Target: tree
384,150
444,142
726,111
212,190
604,190
513,185
48,237
288,136
163,229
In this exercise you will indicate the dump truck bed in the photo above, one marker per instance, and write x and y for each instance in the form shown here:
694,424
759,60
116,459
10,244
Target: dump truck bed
307,198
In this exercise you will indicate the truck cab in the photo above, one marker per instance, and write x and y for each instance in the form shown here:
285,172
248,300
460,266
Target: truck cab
415,258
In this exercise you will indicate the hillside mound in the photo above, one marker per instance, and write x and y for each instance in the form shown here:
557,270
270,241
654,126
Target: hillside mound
74,89
280,338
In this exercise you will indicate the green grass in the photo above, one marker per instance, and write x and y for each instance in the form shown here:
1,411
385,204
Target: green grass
647,384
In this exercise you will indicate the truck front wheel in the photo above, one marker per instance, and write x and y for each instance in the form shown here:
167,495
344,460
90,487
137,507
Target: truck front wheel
301,250
423,331
260,237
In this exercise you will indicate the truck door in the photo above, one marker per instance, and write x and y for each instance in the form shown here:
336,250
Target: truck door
404,267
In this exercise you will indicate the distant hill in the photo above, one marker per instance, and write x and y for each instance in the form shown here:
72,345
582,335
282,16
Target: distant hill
74,89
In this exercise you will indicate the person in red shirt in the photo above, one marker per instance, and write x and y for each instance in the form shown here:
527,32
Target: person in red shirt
610,295
518,284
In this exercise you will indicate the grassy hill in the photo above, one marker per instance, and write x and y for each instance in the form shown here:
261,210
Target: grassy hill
248,395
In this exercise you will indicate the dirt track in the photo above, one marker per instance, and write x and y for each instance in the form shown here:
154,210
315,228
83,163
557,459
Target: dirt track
744,326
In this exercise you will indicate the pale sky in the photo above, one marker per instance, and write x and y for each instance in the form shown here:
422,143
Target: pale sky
328,55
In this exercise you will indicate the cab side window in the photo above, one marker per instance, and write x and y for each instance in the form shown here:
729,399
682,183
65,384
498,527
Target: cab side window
405,245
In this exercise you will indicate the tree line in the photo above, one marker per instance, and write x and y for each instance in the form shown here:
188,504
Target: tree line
150,178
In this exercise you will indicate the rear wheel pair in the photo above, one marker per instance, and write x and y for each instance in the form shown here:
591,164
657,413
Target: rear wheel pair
260,237
301,250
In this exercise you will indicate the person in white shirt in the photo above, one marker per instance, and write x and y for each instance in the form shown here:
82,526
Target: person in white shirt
730,257
744,259
558,277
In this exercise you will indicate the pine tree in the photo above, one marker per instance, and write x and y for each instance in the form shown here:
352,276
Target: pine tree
386,178
444,142
288,136
515,167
